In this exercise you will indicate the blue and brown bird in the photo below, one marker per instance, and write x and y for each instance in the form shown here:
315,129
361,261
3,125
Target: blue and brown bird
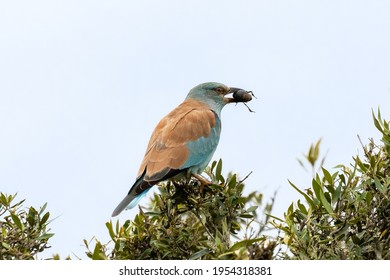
184,141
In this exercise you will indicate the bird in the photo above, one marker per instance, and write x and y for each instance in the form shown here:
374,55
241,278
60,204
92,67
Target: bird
183,142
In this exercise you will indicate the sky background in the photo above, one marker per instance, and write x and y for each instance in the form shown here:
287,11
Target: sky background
83,84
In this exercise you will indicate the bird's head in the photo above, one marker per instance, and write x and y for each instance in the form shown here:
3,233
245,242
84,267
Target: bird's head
213,94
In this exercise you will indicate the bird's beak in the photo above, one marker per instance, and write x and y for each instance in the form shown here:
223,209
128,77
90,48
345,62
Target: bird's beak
232,99
239,95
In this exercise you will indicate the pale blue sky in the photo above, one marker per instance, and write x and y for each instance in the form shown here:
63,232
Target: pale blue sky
83,83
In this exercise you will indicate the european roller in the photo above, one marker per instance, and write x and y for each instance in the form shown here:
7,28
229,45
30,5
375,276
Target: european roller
184,141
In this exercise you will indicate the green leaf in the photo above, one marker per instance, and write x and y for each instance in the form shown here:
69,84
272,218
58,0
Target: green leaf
290,209
337,193
317,188
218,172
274,217
110,230
157,214
3,200
44,219
321,197
326,203
233,181
97,252
200,254
252,208
362,166
245,243
31,220
376,121
386,140
45,236
32,216
161,244
302,207
313,153
246,216
6,245
43,208
328,176
213,164
379,186
368,198
17,221
308,199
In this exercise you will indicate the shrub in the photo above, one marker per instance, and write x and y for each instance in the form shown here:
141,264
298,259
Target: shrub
189,221
344,214
24,233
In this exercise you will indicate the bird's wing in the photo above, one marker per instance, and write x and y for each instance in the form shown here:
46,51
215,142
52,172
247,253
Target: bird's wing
184,138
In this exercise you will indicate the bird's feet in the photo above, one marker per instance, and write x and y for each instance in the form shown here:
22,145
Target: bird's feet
202,180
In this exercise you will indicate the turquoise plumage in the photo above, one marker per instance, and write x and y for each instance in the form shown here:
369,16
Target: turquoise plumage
183,142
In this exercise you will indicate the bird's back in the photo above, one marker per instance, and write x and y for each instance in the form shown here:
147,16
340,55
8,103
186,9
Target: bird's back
192,121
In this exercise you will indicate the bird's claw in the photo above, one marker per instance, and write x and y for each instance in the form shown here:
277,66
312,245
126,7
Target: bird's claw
203,181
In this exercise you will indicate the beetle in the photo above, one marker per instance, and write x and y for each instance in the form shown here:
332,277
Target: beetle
242,95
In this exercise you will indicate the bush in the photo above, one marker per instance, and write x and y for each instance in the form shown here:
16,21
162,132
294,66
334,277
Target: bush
188,221
24,233
345,214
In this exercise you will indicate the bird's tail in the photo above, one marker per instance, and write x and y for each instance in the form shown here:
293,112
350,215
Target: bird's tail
137,191
130,201
141,187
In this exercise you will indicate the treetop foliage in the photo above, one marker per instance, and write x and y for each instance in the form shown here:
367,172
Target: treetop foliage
24,233
343,213
189,221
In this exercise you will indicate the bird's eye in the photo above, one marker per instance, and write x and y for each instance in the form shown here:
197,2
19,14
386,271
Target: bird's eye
219,90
